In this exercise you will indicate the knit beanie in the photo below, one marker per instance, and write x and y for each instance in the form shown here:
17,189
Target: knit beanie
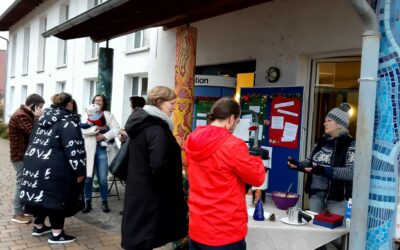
340,114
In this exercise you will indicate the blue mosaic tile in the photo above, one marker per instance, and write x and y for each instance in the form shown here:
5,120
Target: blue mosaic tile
382,197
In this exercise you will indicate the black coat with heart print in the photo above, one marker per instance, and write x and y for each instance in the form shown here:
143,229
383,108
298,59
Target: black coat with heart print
55,157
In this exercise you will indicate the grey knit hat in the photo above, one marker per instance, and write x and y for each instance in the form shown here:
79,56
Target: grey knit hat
340,114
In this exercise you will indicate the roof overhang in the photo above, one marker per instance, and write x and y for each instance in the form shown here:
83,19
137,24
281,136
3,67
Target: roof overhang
119,17
16,12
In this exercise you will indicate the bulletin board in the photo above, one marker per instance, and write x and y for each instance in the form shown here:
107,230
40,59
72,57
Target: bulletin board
256,102
280,177
203,106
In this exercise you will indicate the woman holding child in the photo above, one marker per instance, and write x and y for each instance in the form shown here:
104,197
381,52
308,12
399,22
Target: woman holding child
99,134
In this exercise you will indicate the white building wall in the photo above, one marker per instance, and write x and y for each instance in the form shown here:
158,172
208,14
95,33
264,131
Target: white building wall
78,70
279,33
282,33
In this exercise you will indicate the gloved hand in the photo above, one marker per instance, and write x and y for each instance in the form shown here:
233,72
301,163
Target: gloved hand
321,170
292,163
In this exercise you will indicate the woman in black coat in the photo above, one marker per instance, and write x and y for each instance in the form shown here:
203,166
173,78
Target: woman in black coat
54,169
154,206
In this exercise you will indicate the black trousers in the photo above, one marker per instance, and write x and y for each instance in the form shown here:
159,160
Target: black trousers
240,245
56,217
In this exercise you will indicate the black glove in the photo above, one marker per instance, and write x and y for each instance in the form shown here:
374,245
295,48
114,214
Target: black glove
293,162
321,170
318,170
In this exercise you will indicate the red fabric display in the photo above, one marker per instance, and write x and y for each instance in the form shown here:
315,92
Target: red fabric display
328,220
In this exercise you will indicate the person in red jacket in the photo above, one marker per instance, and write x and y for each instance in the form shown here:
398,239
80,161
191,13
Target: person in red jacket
219,167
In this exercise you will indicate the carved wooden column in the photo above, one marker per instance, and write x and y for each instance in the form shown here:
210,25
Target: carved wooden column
184,81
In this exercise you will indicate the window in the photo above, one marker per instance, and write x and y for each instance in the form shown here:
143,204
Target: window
92,90
25,62
13,55
94,3
42,44
39,89
92,49
24,93
139,86
11,98
137,40
62,44
60,87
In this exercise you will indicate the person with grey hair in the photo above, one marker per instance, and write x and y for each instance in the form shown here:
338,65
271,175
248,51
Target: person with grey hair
330,164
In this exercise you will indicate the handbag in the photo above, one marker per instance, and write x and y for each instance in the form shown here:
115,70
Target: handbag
119,165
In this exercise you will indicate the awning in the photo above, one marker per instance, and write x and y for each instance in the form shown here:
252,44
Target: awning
119,17
16,12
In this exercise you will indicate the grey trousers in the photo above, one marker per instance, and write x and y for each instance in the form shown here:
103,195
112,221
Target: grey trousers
18,208
318,204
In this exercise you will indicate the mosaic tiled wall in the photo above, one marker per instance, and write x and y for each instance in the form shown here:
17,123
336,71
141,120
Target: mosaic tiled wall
382,197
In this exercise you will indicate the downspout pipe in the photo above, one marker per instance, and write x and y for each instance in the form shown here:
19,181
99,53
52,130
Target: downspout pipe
365,123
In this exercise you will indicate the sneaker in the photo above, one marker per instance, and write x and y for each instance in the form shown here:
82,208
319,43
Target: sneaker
42,231
23,219
61,238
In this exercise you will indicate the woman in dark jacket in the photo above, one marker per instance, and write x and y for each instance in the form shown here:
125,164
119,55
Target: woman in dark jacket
330,164
154,207
54,169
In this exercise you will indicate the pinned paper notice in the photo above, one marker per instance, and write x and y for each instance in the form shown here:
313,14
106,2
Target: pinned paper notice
201,123
201,115
248,117
242,129
277,122
255,108
289,132
284,104
287,112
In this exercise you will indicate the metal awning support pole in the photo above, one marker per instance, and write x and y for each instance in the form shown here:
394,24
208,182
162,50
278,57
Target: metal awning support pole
365,124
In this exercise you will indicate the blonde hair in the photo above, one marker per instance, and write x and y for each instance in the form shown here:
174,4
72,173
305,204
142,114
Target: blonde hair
160,94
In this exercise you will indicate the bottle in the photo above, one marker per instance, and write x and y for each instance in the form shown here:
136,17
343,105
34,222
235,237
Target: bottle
348,213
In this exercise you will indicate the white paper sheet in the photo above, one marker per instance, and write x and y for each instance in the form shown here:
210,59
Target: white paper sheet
249,117
287,112
201,115
284,104
260,131
201,122
289,132
242,129
277,122
255,108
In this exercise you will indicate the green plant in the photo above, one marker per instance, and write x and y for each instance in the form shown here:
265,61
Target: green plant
3,130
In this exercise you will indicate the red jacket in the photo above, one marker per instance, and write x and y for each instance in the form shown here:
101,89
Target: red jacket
219,165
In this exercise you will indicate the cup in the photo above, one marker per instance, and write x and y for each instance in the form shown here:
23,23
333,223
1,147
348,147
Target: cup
249,200
293,213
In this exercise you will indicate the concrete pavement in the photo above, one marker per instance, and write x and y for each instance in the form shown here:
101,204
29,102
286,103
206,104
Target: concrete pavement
96,230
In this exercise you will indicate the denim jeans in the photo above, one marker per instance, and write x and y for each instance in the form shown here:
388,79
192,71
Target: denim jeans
240,245
18,208
101,170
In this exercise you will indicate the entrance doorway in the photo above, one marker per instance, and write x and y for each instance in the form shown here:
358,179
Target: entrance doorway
333,81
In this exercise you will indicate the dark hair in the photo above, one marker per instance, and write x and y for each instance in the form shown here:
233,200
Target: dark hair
74,107
224,108
61,99
34,99
137,102
104,101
